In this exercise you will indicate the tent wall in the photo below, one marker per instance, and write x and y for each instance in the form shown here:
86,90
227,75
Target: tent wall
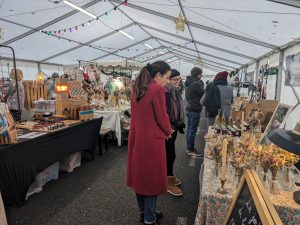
287,95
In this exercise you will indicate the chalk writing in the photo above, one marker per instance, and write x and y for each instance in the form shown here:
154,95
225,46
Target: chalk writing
232,222
249,205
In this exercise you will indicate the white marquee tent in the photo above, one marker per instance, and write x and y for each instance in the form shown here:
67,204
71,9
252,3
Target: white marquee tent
224,34
219,35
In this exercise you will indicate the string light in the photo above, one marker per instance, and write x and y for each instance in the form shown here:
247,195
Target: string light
95,18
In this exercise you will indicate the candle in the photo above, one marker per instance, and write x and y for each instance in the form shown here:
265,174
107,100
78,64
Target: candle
224,157
242,121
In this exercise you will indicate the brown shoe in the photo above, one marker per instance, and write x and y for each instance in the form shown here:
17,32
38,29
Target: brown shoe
172,188
177,181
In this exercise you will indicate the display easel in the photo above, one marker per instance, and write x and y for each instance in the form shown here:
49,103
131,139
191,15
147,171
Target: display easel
251,202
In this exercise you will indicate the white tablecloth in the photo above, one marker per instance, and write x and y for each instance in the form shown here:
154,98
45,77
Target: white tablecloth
2,213
112,120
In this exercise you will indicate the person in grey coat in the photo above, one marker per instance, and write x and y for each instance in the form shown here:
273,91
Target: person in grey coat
218,95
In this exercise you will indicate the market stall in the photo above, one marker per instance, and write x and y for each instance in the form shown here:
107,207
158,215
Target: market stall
241,145
213,206
21,162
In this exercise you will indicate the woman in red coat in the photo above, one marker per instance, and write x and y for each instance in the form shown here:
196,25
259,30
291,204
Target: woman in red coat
149,128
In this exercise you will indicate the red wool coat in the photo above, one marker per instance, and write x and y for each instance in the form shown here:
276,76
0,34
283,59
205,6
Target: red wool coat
149,127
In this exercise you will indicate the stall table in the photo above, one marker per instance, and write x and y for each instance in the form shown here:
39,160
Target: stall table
213,207
112,120
21,162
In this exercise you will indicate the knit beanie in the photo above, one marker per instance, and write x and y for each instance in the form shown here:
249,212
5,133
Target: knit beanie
221,75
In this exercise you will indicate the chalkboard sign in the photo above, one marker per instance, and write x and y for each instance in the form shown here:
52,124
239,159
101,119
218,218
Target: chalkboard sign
244,211
251,204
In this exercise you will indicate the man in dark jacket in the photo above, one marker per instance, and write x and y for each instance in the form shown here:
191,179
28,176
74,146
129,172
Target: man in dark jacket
194,90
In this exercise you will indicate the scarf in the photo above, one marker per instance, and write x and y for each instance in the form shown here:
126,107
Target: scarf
177,106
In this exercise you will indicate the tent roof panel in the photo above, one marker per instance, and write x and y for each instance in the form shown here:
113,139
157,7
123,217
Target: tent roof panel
32,12
83,53
153,20
222,54
34,47
11,30
119,41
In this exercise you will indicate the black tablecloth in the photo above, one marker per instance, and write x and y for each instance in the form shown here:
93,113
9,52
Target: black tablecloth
20,163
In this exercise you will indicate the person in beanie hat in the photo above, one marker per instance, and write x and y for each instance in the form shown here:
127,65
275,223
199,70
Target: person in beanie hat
218,95
50,82
175,110
194,90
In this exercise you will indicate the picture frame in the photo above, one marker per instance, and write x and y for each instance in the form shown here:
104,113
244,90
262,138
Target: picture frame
264,212
278,120
292,72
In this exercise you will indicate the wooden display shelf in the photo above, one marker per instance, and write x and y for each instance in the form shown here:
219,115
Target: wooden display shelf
33,92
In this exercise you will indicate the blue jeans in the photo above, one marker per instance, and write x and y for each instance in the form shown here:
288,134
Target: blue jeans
193,119
147,205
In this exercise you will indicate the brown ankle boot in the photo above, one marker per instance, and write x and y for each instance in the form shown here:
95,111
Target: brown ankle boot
177,181
172,188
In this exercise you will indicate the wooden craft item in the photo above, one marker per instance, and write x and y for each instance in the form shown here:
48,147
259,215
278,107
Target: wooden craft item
86,115
76,89
33,92
26,125
70,122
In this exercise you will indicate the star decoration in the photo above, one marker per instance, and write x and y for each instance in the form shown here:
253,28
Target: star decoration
180,23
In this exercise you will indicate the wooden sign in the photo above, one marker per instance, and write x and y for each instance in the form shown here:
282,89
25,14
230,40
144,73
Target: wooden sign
251,204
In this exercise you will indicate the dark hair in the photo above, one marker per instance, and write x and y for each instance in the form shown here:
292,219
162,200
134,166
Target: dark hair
174,73
146,74
196,71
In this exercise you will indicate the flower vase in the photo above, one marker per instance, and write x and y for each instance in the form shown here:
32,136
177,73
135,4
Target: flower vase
274,183
239,173
217,168
287,180
265,177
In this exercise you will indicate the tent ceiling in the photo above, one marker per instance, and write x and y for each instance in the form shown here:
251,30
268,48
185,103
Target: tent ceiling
226,34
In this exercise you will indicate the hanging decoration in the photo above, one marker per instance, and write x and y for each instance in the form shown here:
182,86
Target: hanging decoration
82,25
180,22
2,31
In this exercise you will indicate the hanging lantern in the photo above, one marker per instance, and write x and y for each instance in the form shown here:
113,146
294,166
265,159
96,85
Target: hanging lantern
180,22
40,77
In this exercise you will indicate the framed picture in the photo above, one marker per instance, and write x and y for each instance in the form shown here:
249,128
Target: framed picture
278,120
249,77
292,72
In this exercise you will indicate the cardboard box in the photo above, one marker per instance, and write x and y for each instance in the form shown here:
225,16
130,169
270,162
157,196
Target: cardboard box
267,105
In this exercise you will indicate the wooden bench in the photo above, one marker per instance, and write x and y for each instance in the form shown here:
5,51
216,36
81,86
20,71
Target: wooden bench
104,135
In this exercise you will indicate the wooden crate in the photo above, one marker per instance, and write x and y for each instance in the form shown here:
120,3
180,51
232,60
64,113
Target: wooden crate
33,92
